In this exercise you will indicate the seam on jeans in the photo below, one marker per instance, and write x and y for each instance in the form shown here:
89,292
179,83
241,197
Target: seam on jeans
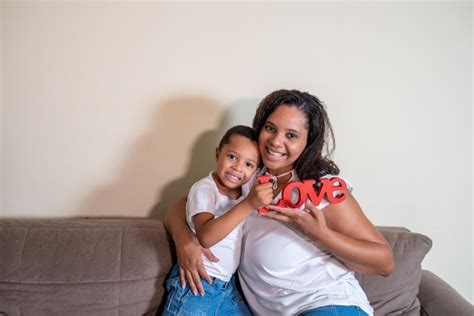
236,299
219,304
185,297
188,294
335,310
173,293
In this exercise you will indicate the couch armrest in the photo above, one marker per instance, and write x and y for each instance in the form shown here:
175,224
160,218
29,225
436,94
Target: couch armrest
438,298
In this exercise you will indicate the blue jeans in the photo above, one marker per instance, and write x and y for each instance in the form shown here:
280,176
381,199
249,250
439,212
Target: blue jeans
220,298
335,310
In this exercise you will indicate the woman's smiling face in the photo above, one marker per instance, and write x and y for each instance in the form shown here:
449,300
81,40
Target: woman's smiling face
283,138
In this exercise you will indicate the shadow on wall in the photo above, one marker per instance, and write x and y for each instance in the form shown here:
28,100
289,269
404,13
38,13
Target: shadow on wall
202,155
184,132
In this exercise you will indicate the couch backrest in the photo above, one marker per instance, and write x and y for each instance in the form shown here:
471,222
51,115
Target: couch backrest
397,293
82,267
118,266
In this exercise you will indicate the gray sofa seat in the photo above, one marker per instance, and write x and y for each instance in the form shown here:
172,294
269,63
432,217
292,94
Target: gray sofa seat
118,267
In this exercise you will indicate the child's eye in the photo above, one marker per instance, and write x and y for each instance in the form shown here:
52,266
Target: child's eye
232,157
249,165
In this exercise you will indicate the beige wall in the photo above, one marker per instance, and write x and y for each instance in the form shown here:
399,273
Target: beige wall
113,109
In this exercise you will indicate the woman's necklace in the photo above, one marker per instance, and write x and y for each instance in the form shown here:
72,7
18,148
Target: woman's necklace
274,179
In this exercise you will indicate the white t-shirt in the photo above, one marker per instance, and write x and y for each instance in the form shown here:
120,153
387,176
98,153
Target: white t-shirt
205,197
284,272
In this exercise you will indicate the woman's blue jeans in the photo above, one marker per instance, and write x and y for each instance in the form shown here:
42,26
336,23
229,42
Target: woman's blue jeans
335,310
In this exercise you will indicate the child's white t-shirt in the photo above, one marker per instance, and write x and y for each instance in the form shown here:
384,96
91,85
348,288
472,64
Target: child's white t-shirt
205,197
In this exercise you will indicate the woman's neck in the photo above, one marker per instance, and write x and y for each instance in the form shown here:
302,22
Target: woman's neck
279,173
279,179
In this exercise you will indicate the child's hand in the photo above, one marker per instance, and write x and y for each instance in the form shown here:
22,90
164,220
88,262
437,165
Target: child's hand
260,195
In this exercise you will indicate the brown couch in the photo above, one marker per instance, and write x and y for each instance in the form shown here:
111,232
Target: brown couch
118,266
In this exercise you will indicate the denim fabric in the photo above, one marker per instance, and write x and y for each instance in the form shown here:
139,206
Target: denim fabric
220,298
335,310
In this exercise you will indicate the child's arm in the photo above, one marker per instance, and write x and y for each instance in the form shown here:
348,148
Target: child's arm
210,230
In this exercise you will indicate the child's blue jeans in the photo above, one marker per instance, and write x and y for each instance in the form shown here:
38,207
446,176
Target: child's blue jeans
220,298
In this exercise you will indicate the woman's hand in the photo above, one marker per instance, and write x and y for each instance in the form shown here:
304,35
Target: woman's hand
188,250
191,267
344,230
311,222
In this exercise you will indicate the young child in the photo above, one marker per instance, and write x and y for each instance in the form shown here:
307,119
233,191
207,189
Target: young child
216,208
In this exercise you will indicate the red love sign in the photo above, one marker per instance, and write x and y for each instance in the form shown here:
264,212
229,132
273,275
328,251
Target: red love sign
328,188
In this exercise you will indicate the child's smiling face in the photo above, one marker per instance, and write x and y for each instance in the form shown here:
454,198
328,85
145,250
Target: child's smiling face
237,161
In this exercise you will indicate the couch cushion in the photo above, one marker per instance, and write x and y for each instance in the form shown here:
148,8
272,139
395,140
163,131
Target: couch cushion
396,294
82,267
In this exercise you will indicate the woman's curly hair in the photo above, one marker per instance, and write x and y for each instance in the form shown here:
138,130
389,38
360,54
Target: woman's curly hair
314,162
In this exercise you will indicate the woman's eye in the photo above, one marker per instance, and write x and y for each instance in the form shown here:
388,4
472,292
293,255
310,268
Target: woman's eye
291,136
232,157
269,128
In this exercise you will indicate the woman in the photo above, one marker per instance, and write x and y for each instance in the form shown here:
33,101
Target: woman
294,261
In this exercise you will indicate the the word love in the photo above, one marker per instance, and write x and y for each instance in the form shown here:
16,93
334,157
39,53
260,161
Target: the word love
330,188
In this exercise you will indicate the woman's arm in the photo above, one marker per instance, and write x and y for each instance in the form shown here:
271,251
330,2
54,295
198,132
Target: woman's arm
188,250
344,230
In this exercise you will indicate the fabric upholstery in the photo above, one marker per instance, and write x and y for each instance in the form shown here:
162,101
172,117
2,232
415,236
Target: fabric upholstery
105,267
397,293
82,267
438,298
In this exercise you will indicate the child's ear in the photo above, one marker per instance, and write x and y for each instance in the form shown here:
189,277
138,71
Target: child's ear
217,153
